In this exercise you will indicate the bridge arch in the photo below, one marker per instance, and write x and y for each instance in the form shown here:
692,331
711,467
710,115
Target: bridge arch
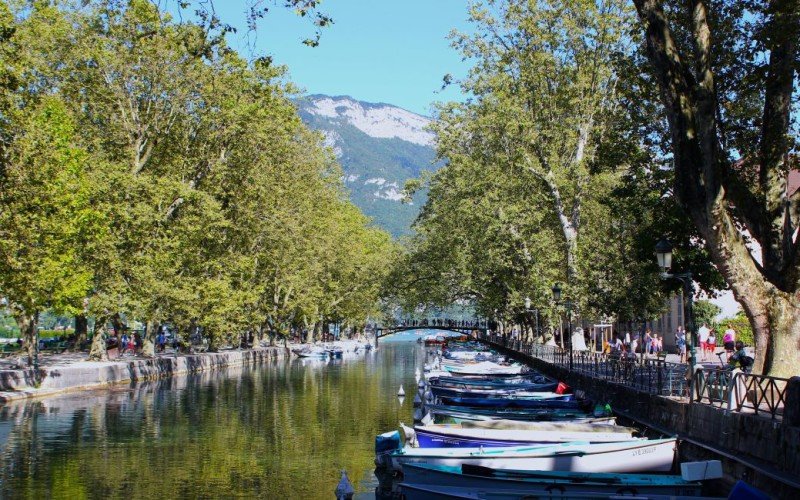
381,332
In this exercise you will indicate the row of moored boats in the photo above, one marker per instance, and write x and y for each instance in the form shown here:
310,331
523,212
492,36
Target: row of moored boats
487,427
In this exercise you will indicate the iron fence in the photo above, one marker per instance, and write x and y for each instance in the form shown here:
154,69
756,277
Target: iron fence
741,392
653,376
732,390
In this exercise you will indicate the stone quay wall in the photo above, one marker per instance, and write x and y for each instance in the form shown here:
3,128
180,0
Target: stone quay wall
762,451
21,384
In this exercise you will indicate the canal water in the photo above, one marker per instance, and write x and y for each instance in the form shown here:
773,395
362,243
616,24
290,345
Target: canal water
278,430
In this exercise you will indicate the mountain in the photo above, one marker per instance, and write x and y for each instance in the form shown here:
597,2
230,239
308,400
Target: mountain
379,146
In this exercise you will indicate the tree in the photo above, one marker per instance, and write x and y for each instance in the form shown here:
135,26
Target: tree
46,216
545,70
726,73
706,312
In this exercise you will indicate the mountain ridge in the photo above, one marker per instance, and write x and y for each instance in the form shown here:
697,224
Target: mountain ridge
379,146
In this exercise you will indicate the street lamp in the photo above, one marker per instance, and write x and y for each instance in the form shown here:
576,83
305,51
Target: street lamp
664,257
535,311
568,305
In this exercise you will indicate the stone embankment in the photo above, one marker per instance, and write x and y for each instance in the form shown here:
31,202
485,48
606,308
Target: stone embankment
78,375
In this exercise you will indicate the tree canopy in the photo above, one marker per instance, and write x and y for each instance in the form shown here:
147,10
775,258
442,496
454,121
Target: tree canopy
151,172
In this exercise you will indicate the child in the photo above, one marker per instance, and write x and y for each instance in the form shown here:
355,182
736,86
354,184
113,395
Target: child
711,344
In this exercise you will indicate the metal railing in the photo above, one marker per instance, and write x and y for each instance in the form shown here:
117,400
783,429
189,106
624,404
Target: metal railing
733,390
741,392
653,376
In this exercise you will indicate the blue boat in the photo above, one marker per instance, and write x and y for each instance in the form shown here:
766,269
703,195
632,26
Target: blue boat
512,401
455,392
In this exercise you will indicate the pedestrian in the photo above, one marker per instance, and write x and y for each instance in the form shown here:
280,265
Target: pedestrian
729,340
617,346
702,335
711,344
680,342
648,341
740,359
123,343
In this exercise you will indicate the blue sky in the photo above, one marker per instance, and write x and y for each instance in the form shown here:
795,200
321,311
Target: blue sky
377,50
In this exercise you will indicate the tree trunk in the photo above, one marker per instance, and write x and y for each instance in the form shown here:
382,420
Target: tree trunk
116,322
30,334
81,330
149,340
776,331
317,331
98,350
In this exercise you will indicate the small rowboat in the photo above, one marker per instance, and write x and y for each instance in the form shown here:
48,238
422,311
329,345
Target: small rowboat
489,382
544,389
515,401
531,414
605,424
484,368
642,455
535,483
444,436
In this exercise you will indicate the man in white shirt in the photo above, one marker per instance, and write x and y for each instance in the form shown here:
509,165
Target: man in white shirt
702,336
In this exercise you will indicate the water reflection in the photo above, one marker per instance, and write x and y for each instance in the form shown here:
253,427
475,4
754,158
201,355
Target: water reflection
280,430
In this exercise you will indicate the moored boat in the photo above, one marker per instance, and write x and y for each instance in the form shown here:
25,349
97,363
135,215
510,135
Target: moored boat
532,483
625,457
486,391
528,414
443,436
515,401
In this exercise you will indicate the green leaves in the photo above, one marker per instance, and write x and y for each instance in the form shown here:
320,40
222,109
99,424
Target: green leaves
195,195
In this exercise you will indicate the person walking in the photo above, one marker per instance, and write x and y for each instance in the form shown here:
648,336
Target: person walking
729,340
680,342
702,335
711,344
648,341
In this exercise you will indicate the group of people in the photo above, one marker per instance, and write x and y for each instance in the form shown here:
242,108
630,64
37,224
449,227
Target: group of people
708,341
653,344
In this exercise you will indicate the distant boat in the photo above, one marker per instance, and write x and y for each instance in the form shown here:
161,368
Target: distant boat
643,455
310,352
420,480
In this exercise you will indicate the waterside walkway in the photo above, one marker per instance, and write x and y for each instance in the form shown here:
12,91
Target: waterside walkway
749,422
72,372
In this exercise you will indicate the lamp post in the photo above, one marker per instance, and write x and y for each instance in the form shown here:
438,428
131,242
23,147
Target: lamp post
536,312
664,256
568,305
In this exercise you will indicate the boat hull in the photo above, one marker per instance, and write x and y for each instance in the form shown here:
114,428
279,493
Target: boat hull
644,456
530,415
511,402
437,437
566,483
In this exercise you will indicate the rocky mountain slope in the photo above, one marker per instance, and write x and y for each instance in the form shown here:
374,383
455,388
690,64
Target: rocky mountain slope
379,146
